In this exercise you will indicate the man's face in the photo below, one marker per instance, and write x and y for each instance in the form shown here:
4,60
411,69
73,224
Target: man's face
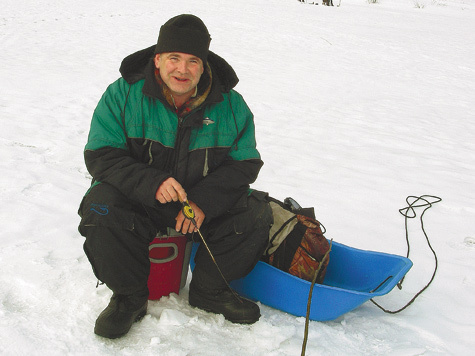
181,72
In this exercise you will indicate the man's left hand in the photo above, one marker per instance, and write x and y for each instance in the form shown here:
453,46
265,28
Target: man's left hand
185,225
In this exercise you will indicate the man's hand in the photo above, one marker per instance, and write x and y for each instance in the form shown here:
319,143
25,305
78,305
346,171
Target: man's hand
186,225
170,190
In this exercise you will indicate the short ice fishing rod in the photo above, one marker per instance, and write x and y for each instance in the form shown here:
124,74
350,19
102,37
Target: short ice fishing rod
189,214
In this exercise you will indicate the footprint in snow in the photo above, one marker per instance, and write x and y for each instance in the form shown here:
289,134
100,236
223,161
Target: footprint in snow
469,241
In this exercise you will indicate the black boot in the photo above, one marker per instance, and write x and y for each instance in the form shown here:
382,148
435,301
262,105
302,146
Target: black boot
123,310
223,301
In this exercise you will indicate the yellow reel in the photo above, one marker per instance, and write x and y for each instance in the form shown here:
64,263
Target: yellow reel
188,211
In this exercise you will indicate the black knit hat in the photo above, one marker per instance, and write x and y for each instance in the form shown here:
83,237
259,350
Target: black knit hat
185,34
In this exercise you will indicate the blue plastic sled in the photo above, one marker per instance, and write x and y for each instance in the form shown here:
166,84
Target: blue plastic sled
353,277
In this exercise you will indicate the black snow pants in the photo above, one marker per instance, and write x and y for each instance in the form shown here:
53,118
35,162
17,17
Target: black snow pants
118,233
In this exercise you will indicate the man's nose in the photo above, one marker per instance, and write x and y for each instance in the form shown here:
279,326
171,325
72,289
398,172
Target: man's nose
182,67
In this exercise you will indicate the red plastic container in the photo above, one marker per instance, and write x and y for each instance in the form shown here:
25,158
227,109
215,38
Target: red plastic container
169,261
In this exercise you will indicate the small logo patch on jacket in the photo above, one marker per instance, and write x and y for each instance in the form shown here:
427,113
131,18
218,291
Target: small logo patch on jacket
101,209
207,121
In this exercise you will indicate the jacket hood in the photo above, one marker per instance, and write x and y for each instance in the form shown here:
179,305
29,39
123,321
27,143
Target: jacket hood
133,68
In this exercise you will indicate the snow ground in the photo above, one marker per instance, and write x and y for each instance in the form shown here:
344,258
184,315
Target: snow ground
356,107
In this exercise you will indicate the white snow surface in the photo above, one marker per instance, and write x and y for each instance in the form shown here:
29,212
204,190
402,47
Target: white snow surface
356,107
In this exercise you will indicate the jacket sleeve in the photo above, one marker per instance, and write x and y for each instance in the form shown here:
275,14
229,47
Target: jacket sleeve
107,156
220,190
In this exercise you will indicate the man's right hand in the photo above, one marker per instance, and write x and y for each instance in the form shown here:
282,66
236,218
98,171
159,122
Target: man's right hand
170,190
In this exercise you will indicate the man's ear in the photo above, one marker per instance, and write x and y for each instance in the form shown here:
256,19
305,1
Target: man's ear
156,60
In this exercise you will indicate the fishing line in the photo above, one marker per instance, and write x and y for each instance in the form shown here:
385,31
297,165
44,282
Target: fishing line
189,214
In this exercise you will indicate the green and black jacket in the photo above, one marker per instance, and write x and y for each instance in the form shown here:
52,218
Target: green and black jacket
137,139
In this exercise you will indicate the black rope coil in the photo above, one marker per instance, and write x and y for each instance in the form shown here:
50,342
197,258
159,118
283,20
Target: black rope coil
413,202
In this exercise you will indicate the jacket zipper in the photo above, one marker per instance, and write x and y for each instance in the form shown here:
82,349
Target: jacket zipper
178,139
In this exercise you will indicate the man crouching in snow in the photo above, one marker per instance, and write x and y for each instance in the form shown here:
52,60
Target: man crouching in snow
170,129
